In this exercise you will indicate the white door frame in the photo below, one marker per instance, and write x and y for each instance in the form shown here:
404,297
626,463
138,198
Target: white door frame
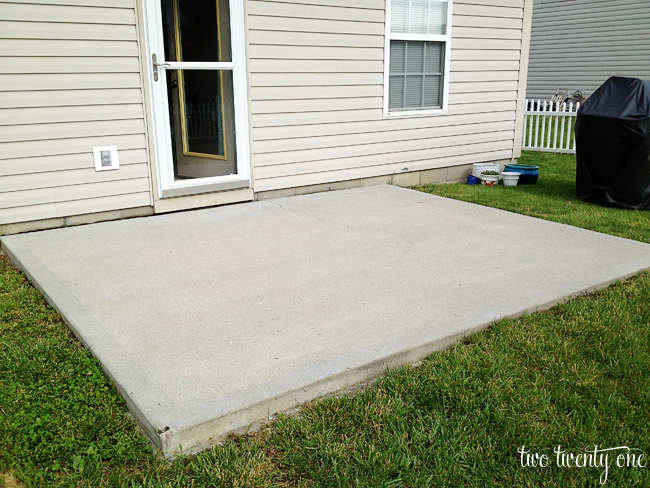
167,186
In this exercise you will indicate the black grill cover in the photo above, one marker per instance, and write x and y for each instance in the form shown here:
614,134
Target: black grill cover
612,134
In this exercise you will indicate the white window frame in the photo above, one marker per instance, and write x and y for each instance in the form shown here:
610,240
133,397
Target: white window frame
417,37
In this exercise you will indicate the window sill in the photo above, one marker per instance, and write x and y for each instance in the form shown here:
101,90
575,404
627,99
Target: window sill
416,113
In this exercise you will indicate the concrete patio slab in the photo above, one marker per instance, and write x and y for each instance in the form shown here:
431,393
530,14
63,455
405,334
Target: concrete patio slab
210,320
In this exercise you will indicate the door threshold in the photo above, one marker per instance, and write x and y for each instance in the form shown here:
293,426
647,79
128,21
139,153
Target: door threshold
203,200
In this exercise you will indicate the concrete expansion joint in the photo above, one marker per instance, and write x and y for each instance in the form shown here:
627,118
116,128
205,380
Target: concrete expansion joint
310,215
386,231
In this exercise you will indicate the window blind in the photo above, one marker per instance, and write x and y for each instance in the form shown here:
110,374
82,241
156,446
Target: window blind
418,17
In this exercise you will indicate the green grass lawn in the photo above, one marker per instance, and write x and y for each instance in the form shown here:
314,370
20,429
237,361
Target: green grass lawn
553,197
575,376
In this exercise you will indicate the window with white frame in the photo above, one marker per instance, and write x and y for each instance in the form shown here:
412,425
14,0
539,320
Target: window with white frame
418,35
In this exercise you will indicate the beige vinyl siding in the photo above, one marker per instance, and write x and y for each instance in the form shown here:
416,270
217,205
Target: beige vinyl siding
69,81
316,89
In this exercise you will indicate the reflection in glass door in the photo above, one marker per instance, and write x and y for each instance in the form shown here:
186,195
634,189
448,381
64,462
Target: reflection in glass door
201,103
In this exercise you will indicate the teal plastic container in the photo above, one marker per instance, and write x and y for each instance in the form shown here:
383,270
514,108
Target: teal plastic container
529,173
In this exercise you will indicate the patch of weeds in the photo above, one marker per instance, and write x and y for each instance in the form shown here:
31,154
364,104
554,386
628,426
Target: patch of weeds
61,418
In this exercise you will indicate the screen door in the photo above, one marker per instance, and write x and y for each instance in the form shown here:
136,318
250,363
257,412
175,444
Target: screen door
198,90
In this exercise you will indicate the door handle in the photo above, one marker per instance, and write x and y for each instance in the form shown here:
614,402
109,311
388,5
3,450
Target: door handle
156,65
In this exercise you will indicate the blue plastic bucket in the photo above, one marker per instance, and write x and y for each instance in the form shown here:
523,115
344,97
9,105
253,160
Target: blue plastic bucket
473,180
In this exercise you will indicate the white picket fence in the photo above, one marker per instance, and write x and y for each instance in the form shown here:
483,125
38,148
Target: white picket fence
549,127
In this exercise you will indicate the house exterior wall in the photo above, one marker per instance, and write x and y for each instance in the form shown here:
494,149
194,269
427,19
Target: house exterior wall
69,81
578,44
316,87
72,77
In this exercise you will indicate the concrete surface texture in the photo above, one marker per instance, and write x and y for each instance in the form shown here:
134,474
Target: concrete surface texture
210,320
